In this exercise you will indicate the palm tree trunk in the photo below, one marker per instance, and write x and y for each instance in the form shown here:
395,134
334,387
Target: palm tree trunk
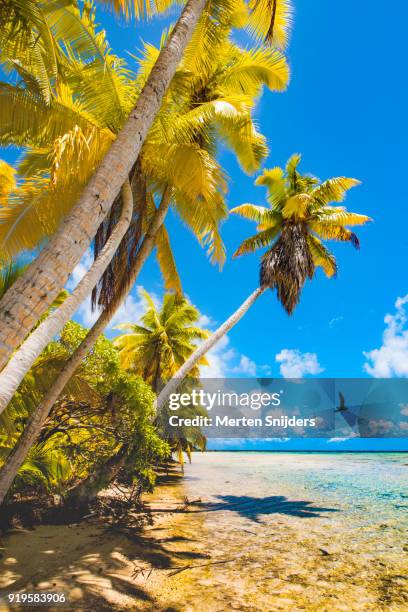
87,489
33,428
28,299
205,347
23,359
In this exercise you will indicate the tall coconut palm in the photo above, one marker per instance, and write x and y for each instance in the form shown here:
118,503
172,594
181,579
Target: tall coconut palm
157,347
300,216
199,182
35,290
171,156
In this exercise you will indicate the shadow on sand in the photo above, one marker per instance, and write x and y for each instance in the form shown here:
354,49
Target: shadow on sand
95,562
252,507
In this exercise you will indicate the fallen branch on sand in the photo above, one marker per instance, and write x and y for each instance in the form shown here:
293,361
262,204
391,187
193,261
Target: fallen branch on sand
183,568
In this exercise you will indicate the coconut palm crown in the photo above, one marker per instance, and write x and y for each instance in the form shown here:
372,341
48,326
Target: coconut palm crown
166,336
300,216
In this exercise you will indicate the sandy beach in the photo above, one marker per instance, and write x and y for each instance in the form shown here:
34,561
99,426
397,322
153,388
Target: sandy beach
240,531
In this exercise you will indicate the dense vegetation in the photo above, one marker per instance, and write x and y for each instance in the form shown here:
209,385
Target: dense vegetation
104,413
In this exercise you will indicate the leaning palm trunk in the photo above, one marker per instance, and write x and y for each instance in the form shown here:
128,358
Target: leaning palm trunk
85,491
29,298
23,359
33,428
205,347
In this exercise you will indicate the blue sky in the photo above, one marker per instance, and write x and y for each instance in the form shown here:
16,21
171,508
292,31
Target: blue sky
345,111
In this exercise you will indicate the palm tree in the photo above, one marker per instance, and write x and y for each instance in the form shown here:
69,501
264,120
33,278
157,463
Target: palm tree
165,338
28,299
189,174
300,216
156,348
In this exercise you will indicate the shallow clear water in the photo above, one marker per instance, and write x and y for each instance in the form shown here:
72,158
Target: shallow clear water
371,487
323,531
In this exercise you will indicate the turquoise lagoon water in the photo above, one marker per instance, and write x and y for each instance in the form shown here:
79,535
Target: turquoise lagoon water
299,531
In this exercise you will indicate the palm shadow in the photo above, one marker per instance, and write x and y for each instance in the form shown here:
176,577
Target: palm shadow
92,559
253,507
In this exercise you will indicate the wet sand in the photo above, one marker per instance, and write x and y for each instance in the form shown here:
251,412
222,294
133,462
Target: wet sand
240,531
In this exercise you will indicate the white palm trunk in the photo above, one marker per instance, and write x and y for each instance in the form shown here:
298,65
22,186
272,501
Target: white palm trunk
24,357
28,299
193,360
33,428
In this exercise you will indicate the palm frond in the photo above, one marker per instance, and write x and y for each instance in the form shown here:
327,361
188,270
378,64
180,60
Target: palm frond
7,180
167,263
252,212
8,276
339,216
260,240
334,189
322,256
274,180
271,20
297,206
250,69
330,231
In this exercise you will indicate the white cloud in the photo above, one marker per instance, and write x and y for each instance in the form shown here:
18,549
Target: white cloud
86,316
334,321
380,426
205,321
245,366
352,434
391,359
226,361
130,310
404,409
80,270
295,364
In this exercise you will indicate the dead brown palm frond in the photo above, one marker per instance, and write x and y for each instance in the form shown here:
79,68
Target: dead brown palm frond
114,281
287,265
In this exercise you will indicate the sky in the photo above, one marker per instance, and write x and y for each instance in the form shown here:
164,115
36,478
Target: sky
345,111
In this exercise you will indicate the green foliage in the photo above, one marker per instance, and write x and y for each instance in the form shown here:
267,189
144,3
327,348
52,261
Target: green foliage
101,411
8,276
